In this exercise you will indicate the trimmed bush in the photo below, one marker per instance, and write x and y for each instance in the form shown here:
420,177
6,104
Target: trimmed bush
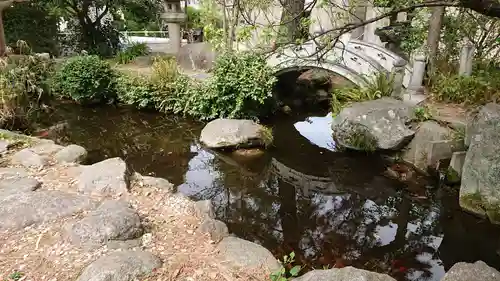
86,79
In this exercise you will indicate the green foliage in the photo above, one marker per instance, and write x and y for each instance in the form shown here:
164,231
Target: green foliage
23,84
139,92
15,276
422,113
281,274
379,86
194,17
479,88
32,22
141,15
86,79
267,136
132,52
241,87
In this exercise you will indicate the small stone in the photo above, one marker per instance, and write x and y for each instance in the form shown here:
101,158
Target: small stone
147,239
217,229
241,253
343,274
4,146
478,271
29,159
204,209
121,266
46,148
154,182
106,178
71,154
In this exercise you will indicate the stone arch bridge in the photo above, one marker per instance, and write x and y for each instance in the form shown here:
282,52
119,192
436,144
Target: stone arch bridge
355,60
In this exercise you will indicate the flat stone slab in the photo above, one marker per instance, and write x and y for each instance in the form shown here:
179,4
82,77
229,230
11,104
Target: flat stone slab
106,178
344,274
113,220
29,159
46,148
15,180
153,182
215,228
229,133
121,266
23,209
71,154
478,271
244,254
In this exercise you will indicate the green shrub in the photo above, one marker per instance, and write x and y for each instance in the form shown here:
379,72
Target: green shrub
139,91
241,87
379,86
132,52
23,84
86,79
476,89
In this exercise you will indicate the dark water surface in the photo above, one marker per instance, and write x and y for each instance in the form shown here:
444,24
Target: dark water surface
330,208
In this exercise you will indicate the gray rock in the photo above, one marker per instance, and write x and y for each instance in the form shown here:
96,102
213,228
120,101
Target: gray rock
15,180
204,209
71,154
46,148
4,146
120,266
217,229
373,125
480,187
418,151
106,178
344,274
230,133
154,182
113,220
23,209
29,159
478,271
196,56
244,254
457,162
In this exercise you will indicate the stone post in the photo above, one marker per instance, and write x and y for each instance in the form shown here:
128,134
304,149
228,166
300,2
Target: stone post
173,16
466,59
398,74
417,77
357,16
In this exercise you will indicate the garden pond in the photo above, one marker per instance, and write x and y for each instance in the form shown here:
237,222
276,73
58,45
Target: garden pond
331,208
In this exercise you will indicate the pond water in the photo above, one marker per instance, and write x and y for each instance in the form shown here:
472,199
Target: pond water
333,209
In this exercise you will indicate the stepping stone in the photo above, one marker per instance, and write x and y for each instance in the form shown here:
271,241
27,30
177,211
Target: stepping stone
71,154
121,266
113,220
106,178
29,159
15,180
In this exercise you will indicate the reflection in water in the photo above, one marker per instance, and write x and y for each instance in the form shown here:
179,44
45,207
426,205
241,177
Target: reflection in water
331,208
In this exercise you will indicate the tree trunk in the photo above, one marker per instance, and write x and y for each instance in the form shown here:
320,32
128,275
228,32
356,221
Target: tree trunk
291,16
435,26
234,24
3,46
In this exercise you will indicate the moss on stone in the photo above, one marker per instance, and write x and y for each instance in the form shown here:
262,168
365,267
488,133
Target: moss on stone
477,204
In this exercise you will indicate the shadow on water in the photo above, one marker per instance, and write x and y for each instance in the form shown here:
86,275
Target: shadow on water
330,208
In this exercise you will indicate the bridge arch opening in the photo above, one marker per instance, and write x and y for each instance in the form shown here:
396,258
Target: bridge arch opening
308,88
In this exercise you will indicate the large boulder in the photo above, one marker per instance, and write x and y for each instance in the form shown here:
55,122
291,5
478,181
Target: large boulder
121,266
113,220
419,150
106,178
374,125
244,254
344,274
26,208
480,188
471,272
232,133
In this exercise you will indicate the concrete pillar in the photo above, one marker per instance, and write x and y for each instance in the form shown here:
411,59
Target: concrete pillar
398,74
466,59
174,35
417,77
